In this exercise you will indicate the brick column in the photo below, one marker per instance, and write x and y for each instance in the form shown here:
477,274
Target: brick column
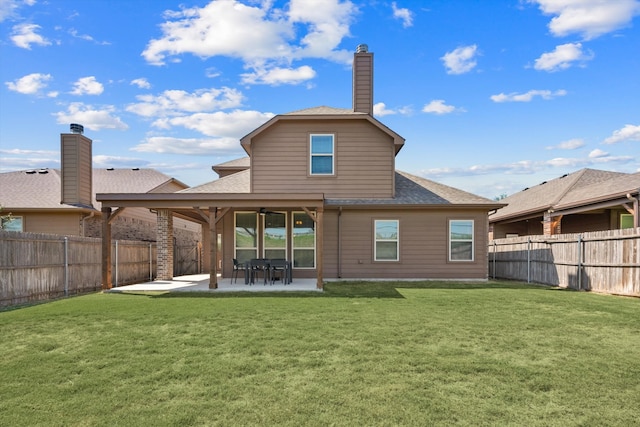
551,225
165,244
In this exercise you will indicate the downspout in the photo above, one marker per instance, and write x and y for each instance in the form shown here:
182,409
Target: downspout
339,242
91,215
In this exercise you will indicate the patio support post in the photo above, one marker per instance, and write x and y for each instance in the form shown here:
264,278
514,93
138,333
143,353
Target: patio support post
213,246
320,248
206,247
165,244
106,249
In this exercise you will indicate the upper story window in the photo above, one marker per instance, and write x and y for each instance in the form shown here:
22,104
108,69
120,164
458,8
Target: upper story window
322,154
460,240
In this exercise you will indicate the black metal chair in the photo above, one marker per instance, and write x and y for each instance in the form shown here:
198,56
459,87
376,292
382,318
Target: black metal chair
259,266
237,266
279,270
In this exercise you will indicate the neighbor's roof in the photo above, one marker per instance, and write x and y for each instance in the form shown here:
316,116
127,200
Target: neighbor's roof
410,190
236,183
585,185
40,189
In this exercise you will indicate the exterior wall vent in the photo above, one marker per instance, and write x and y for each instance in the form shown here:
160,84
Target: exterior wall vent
76,128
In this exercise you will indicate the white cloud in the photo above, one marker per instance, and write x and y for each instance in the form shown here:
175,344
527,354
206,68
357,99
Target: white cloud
30,84
380,110
87,86
438,106
234,124
596,157
176,102
254,33
90,118
277,76
102,161
142,83
189,146
597,153
627,133
590,18
262,36
562,57
8,8
24,35
460,60
528,96
570,144
404,14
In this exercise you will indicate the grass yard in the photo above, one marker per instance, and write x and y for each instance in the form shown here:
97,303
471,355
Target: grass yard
358,354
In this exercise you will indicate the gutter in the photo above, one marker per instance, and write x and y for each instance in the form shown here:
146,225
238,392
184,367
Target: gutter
339,242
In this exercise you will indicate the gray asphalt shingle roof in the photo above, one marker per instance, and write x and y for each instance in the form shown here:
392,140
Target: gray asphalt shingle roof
40,189
410,190
582,185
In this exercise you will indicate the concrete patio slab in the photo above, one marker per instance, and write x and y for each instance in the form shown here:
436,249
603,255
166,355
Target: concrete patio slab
200,283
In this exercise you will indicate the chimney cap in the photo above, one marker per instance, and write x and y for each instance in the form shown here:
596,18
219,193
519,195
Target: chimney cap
362,48
76,128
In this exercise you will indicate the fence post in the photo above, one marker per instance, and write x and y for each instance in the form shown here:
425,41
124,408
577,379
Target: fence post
66,266
579,262
116,284
494,259
528,260
150,263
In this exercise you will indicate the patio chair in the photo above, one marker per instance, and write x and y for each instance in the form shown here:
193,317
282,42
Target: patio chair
259,266
279,270
237,266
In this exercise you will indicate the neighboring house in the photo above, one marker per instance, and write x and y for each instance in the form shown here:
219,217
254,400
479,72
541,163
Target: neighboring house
62,201
586,200
319,188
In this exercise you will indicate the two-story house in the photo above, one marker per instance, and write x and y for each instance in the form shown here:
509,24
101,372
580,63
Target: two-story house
320,188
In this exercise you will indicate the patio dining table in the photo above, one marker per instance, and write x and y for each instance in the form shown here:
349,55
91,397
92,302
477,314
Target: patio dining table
267,267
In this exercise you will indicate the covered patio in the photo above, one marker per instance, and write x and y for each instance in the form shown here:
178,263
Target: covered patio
207,209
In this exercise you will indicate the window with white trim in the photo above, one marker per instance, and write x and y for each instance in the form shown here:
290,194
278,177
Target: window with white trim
275,235
461,240
321,151
246,239
387,239
303,241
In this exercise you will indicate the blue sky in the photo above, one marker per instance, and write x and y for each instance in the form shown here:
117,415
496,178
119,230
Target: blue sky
491,96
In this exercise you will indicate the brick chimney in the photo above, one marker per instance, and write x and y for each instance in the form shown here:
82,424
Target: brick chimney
76,167
363,80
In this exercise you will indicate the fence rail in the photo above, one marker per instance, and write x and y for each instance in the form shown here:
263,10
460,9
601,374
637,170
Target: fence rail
603,261
41,266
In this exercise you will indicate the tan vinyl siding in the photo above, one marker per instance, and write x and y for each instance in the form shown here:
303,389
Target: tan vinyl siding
76,169
68,224
364,160
363,83
423,245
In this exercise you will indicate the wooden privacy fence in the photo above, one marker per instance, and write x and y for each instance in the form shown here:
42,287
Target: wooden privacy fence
41,266
602,261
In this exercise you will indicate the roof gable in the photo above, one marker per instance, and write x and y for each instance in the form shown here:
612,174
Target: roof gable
322,113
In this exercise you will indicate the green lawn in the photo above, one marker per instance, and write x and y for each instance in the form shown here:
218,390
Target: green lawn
358,354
